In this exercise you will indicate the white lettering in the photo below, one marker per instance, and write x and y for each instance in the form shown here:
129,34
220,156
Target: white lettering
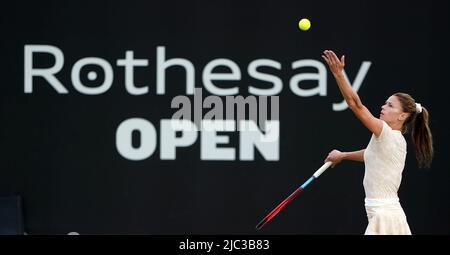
46,73
147,134
107,69
129,63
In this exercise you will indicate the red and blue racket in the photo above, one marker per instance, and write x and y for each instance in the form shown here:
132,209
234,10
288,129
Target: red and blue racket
291,197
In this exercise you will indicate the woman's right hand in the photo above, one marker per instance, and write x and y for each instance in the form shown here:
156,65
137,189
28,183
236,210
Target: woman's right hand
335,157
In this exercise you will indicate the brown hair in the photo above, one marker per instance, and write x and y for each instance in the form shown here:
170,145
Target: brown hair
420,130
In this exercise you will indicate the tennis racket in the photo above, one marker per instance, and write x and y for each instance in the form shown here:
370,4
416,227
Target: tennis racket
291,197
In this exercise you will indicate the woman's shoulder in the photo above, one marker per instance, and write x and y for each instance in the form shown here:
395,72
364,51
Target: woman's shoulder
385,128
388,132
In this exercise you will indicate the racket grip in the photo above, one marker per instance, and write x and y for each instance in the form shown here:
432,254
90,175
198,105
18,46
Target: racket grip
322,169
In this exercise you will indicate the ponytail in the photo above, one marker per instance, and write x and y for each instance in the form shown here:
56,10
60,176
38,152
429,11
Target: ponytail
422,138
417,122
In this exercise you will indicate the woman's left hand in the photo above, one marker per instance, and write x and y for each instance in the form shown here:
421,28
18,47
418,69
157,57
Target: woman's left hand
336,66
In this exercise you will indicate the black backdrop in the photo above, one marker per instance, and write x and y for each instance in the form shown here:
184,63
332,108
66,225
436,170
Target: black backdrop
58,150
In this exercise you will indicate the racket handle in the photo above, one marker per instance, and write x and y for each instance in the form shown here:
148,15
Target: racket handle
322,169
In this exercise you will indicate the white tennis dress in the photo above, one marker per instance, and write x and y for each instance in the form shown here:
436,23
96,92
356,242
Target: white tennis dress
384,160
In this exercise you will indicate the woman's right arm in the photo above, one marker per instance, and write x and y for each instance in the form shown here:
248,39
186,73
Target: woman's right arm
354,155
336,156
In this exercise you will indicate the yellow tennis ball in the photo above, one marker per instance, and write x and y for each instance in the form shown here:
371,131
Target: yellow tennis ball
304,24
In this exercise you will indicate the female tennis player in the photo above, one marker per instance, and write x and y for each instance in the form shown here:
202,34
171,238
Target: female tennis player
385,155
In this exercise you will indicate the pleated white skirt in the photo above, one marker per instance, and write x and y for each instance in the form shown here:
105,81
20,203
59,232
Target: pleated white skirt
386,217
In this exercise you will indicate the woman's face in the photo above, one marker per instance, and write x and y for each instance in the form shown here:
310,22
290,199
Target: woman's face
392,111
